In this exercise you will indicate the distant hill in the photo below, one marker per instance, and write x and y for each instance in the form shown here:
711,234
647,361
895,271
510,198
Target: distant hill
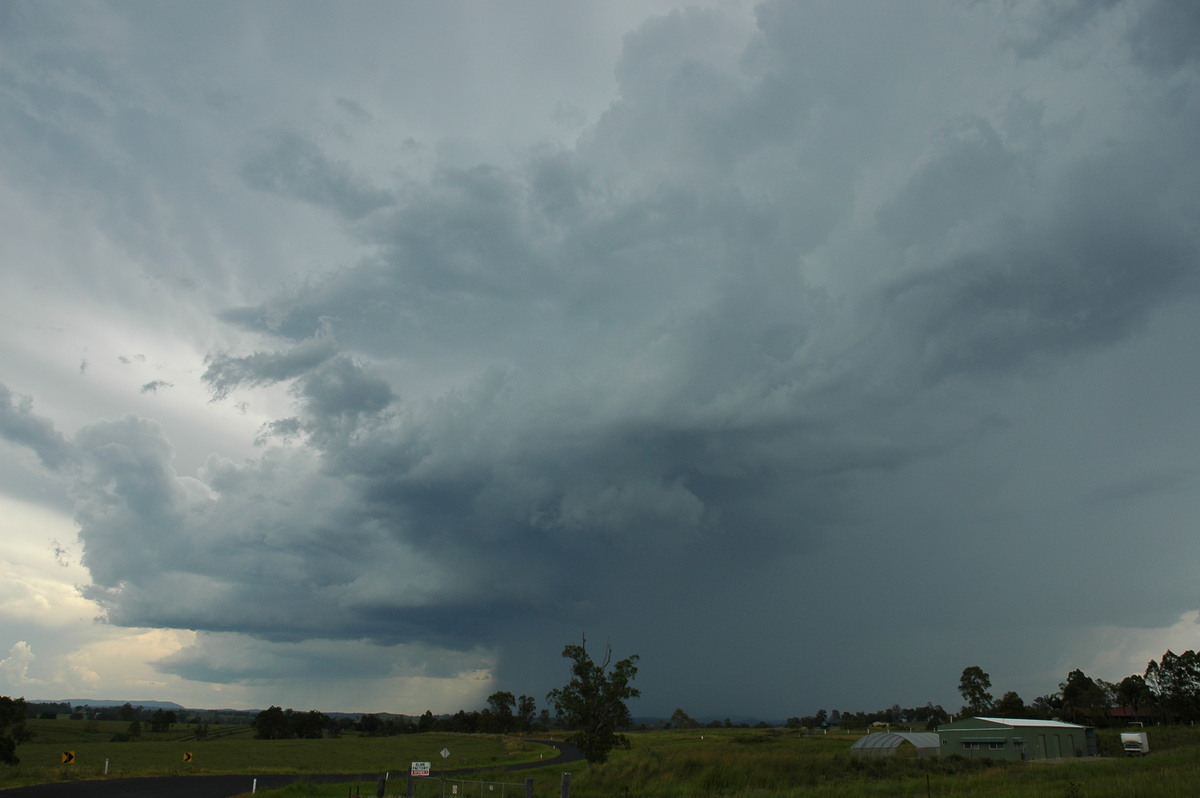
98,703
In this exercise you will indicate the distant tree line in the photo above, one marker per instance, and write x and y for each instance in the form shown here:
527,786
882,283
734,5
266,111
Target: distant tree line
157,720
929,716
504,714
1167,692
682,720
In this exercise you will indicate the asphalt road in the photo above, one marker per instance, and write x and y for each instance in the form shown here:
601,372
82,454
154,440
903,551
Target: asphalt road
226,786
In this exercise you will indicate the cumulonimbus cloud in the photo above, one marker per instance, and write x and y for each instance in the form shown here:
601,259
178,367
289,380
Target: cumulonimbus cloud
743,329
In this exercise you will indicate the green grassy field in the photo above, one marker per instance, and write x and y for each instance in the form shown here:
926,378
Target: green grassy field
701,763
776,764
238,752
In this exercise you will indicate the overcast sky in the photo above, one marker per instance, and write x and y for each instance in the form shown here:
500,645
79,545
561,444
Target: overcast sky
359,356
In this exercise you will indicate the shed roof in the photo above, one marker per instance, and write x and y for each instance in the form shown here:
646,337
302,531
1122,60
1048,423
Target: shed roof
1012,723
888,740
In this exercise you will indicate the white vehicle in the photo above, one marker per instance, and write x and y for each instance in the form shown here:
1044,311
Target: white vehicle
1135,743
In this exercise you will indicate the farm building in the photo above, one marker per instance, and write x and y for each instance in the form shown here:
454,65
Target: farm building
1016,738
887,743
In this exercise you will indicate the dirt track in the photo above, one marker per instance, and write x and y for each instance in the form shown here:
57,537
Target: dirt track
226,786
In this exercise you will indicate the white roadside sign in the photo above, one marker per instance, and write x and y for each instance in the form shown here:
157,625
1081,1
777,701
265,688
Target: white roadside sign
420,768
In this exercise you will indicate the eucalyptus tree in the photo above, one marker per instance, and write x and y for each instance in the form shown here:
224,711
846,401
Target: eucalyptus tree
593,702
973,685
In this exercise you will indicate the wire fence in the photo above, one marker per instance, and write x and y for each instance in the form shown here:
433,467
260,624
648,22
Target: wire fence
450,787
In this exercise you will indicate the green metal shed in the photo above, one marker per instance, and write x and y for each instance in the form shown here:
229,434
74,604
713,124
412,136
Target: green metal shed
1016,738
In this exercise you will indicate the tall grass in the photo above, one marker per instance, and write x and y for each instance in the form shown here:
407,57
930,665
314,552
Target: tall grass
756,765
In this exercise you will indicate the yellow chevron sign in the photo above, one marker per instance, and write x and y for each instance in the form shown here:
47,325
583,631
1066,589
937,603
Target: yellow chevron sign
68,757
187,756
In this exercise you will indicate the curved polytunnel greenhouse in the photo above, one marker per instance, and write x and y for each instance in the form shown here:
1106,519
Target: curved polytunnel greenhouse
886,743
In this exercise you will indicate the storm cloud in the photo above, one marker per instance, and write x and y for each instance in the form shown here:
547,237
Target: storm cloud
832,323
